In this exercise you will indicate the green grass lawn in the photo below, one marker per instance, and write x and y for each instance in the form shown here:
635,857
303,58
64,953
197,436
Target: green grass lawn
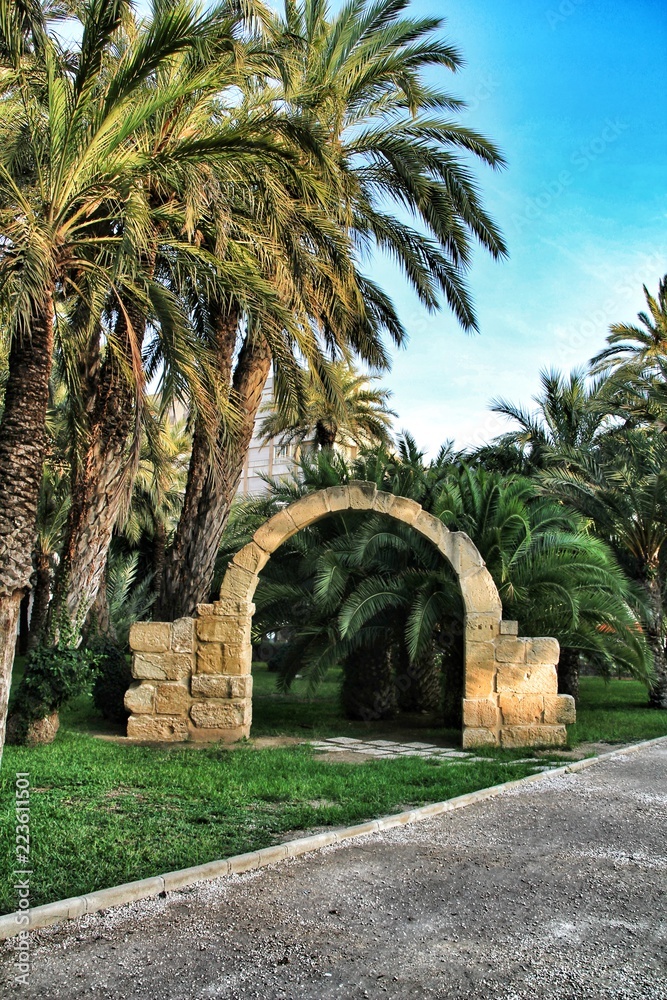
104,813
615,712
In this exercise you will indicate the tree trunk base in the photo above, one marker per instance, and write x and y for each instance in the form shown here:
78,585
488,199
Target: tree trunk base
368,692
9,617
33,733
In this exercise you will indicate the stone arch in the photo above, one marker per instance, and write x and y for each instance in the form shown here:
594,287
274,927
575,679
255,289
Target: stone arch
194,674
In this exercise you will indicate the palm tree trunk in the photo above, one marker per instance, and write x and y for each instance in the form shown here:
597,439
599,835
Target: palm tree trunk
418,683
40,601
568,673
23,448
24,624
655,635
102,480
368,691
452,679
209,493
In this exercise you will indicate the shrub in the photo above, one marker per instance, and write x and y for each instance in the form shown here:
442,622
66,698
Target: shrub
52,676
113,678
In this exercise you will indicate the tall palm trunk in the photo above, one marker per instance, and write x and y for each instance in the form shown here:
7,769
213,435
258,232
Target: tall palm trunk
368,691
419,683
41,596
209,492
23,448
102,480
655,635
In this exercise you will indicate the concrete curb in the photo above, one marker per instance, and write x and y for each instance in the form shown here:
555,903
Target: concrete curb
22,921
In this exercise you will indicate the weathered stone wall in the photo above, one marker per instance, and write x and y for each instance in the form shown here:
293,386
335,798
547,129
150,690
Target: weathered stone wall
193,676
511,688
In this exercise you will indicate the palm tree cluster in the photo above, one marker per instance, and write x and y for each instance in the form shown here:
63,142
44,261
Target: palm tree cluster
187,200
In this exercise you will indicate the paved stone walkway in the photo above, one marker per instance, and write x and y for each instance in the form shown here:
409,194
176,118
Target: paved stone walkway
391,748
551,891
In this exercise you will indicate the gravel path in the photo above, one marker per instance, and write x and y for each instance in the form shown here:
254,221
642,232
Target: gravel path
555,890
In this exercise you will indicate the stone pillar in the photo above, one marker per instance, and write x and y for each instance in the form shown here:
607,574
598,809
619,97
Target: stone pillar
162,663
193,678
222,683
511,688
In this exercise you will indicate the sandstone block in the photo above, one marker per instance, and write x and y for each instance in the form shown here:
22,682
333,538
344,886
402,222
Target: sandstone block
236,659
213,735
238,583
149,666
362,494
240,687
480,713
161,729
220,714
338,498
309,509
543,651
524,679
161,666
383,502
172,699
478,738
275,531
466,558
182,635
533,736
480,594
481,627
211,686
251,557
480,674
405,510
521,710
140,698
509,649
217,629
150,637
433,529
241,610
560,709
209,658
205,609
509,628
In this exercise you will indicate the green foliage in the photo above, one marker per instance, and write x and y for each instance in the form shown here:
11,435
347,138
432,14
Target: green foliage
129,600
113,678
52,676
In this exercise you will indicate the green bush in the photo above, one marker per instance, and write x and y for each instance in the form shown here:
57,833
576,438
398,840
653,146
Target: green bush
52,676
113,678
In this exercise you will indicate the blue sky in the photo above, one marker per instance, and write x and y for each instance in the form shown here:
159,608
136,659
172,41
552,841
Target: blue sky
573,92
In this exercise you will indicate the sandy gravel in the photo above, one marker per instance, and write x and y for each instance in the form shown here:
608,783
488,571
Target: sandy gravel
557,890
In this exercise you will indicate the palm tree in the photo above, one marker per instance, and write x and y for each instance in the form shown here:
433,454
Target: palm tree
627,501
75,216
638,344
106,378
358,415
568,418
354,79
